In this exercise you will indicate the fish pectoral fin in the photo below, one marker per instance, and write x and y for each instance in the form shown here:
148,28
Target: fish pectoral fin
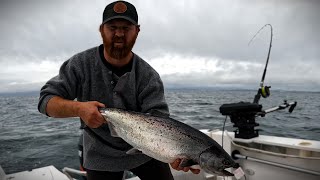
187,163
134,151
112,130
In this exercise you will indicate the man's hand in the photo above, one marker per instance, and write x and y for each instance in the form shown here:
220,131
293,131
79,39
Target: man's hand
89,113
176,163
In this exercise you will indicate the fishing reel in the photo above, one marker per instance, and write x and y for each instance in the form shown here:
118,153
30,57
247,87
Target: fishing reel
265,91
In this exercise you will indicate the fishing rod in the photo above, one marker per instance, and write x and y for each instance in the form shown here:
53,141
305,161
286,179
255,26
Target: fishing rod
263,91
243,114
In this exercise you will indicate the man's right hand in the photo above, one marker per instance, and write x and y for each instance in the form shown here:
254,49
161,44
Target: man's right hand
89,113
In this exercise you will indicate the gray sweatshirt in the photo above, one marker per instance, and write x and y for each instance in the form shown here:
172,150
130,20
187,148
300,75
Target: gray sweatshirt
85,77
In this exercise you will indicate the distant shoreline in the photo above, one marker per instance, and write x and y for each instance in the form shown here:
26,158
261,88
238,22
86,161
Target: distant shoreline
36,93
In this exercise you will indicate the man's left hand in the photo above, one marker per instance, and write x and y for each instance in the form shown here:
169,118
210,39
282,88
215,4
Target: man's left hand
176,163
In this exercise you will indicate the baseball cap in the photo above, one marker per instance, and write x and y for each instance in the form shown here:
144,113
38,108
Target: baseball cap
120,9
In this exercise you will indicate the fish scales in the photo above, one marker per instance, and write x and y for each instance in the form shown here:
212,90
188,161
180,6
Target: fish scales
149,131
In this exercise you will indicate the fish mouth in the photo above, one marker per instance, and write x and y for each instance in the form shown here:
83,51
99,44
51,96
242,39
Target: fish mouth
221,172
227,173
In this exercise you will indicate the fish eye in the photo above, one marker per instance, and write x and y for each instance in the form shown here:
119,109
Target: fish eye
225,162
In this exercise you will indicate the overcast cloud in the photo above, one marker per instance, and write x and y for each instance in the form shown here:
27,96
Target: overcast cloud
189,42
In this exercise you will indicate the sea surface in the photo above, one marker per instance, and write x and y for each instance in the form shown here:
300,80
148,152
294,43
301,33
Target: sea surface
31,140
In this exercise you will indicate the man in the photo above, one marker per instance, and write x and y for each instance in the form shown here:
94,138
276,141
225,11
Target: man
109,75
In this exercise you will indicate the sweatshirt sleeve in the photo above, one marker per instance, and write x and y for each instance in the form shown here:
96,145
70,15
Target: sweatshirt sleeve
65,85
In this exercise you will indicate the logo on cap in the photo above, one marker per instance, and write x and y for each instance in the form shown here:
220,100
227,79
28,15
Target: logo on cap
120,7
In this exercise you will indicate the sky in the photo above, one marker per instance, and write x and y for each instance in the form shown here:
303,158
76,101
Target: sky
191,43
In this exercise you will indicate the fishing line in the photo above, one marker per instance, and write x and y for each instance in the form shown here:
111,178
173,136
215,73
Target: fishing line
224,124
259,32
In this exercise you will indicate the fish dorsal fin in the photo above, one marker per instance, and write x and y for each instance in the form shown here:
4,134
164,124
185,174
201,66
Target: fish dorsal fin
112,130
187,163
134,151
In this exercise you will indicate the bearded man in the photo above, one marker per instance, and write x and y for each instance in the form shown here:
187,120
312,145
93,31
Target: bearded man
109,75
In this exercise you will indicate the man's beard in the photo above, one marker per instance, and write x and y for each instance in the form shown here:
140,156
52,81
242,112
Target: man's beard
118,52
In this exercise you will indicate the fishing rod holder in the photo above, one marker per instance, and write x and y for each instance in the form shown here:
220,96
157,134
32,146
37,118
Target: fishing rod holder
285,104
243,116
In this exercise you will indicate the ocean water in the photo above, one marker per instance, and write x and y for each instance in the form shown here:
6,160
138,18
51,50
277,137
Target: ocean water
31,140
